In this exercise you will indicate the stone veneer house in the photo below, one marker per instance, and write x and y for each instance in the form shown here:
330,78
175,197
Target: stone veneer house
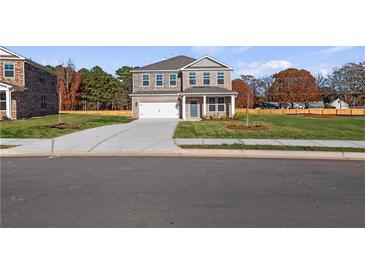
27,88
183,87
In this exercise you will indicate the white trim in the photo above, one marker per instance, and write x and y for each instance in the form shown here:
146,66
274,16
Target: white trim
233,105
183,99
204,106
209,57
156,86
7,102
11,52
149,80
175,79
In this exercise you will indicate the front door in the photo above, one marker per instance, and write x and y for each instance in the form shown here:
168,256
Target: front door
193,108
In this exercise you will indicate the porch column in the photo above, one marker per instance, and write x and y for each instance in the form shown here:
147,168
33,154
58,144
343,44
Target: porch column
8,103
183,107
233,105
204,106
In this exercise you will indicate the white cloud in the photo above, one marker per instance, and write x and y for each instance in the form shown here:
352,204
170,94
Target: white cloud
262,68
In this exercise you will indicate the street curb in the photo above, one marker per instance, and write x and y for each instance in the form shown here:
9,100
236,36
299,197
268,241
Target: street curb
228,153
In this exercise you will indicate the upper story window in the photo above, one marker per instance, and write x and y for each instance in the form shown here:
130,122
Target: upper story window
9,70
42,76
206,78
146,80
158,80
172,80
43,102
220,78
192,78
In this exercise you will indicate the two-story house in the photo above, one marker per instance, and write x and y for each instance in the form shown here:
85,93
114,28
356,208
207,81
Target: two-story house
183,87
27,88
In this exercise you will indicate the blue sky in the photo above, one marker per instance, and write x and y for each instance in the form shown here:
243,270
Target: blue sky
257,61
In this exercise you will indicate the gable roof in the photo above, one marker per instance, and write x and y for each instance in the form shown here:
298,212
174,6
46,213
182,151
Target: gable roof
9,55
206,65
174,63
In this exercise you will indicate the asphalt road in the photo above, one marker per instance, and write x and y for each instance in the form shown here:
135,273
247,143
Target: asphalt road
181,192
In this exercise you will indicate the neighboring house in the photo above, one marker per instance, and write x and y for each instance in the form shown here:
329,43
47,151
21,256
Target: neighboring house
339,104
27,88
183,87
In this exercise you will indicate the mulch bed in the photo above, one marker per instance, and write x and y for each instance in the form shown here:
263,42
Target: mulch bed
320,116
61,126
243,127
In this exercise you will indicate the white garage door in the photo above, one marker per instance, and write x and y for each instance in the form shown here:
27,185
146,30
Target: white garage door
158,110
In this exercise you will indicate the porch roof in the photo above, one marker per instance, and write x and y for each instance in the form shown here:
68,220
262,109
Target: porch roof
12,86
208,91
154,93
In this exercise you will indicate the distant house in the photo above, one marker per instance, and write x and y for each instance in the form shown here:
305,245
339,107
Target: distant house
27,88
339,104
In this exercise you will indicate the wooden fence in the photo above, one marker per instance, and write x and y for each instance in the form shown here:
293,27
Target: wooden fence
318,111
100,112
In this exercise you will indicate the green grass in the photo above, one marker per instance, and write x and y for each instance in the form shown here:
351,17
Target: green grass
6,146
37,127
280,127
270,147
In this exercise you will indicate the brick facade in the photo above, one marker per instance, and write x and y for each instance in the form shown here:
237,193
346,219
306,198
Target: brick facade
28,103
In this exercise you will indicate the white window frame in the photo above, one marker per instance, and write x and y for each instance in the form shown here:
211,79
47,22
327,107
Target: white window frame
7,63
204,78
224,104
216,104
192,73
149,80
3,101
158,86
220,73
43,101
175,79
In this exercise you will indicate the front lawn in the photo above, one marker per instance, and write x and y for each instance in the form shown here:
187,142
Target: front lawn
49,127
277,127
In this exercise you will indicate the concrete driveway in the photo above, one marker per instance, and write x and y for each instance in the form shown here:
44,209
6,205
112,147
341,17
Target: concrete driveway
137,136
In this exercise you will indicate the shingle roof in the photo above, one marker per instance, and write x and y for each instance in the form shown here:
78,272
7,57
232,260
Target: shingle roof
173,63
208,90
136,93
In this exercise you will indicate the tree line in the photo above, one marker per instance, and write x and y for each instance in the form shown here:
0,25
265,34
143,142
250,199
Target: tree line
93,89
292,86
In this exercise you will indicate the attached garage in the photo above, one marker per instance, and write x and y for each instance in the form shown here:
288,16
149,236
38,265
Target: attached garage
159,110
